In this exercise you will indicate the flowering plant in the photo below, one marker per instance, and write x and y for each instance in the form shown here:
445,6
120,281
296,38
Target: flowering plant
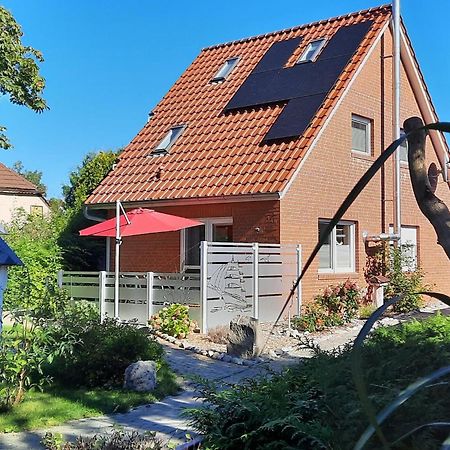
172,320
336,305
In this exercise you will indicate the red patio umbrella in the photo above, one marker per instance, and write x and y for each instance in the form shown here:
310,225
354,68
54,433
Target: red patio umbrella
140,221
136,222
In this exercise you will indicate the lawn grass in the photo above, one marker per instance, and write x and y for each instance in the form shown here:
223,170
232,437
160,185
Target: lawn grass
56,405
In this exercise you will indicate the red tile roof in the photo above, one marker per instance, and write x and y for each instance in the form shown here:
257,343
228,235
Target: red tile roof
221,154
12,182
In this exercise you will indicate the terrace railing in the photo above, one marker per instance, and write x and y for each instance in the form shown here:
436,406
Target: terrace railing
251,279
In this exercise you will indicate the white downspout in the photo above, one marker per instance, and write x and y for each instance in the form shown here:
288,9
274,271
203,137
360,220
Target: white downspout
396,117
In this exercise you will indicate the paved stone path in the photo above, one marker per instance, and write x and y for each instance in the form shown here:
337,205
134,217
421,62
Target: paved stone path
163,416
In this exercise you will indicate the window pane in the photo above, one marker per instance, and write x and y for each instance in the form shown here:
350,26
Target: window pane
403,149
193,237
312,50
222,233
325,251
360,136
225,70
169,138
37,210
343,247
409,248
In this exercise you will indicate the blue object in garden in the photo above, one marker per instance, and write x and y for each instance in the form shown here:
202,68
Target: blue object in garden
7,255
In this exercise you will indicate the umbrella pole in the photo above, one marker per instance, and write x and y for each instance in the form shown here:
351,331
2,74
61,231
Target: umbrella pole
117,262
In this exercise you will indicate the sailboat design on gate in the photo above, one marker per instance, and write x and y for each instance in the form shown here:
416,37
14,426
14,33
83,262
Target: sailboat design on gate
228,281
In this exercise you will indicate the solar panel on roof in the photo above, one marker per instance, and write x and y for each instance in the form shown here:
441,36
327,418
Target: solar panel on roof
278,55
303,87
294,118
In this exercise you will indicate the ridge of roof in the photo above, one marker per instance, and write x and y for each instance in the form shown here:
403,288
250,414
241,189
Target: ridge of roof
386,7
11,181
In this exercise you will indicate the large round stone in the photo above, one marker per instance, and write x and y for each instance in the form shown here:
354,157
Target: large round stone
140,376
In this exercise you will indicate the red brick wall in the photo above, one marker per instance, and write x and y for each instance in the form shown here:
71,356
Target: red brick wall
331,171
161,252
325,179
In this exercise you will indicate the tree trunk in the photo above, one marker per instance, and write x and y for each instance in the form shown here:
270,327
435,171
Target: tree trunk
433,208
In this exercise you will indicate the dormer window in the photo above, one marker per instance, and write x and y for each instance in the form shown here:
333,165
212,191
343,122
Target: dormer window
311,52
169,139
225,70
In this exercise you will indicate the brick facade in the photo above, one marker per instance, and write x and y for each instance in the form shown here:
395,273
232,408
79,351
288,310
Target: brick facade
331,170
256,221
326,176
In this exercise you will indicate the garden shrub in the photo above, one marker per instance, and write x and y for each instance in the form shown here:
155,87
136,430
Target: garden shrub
403,280
336,305
103,351
315,405
117,440
30,343
34,239
172,320
365,311
24,349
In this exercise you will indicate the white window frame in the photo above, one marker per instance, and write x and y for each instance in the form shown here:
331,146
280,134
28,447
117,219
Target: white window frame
368,126
225,69
316,53
208,224
414,245
333,244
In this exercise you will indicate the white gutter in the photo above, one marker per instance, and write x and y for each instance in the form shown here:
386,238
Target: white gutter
423,101
90,216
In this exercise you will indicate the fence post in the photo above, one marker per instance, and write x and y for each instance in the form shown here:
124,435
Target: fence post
60,278
299,271
102,294
150,277
255,248
203,285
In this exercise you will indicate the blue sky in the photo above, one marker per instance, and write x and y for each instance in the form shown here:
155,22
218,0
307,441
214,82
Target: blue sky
109,62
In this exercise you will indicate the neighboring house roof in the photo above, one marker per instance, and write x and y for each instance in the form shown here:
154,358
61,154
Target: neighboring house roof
238,142
13,183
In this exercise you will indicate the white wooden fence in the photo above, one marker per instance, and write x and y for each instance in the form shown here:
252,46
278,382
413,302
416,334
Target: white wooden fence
250,279
141,293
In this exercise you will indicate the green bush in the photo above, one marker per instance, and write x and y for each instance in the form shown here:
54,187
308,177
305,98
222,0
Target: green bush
172,320
117,440
29,344
102,352
34,239
403,280
336,305
315,405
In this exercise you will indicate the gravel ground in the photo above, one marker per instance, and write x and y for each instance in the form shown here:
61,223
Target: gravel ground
284,341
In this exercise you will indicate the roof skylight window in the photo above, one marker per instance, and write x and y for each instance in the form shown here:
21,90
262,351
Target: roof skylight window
311,52
226,69
169,139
